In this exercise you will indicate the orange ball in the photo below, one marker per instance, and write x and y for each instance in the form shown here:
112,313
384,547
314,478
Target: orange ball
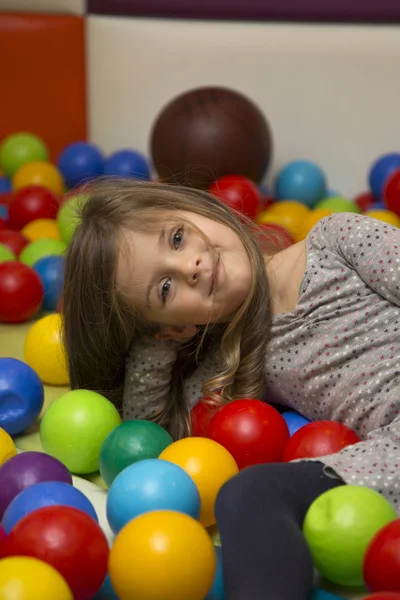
387,216
312,219
39,173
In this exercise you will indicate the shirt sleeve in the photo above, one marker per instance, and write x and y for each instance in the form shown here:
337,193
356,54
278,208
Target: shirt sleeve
369,246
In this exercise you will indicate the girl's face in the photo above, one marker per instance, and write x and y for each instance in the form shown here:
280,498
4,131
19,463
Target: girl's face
175,278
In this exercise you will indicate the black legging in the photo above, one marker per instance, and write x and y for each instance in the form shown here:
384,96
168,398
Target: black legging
260,514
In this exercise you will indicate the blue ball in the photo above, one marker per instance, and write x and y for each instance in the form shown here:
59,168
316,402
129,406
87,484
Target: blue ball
301,180
151,484
4,211
382,168
379,205
79,162
106,592
45,493
21,395
294,421
217,591
127,163
5,185
317,594
51,272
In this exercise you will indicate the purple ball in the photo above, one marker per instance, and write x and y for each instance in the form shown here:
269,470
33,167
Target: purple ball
26,469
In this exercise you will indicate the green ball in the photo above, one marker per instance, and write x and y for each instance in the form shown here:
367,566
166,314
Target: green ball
129,443
21,148
74,428
338,527
338,204
6,254
68,216
38,249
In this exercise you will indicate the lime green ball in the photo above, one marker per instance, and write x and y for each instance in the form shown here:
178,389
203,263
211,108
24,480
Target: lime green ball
41,248
20,148
338,204
68,216
74,428
338,527
129,443
6,254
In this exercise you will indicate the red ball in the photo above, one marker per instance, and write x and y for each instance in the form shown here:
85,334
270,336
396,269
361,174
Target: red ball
21,292
2,535
201,416
365,200
276,236
251,430
68,540
391,192
3,224
383,596
382,559
31,203
239,193
13,240
319,439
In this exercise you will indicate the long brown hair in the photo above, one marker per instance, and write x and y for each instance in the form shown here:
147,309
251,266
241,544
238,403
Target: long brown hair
100,325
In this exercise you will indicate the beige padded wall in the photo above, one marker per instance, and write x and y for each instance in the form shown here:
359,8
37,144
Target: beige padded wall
331,93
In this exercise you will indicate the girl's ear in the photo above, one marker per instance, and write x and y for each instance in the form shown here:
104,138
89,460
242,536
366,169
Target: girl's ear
176,333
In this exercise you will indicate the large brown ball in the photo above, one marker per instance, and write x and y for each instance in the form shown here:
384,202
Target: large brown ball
209,132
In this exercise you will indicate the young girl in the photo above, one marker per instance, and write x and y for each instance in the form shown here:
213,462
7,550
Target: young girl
170,296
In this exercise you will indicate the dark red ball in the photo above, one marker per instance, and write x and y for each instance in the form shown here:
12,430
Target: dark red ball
365,201
3,224
391,192
252,431
31,203
68,540
13,240
21,292
319,439
382,559
201,416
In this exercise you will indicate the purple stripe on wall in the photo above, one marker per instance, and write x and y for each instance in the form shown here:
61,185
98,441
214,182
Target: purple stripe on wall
369,11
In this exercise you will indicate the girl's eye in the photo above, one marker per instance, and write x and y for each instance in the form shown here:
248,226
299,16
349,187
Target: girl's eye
165,290
177,238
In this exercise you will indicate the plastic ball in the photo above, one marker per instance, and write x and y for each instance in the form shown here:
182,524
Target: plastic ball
21,292
252,431
162,554
67,539
7,446
311,220
364,201
382,559
41,228
3,536
383,596
338,205
201,416
129,443
5,185
32,203
319,439
288,214
3,224
106,591
26,469
127,163
41,174
217,591
25,578
338,527
21,395
68,216
14,240
301,180
74,427
317,594
4,210
151,484
41,248
294,421
238,193
44,350
391,192
79,162
45,493
20,148
276,237
380,172
387,216
209,465
5,254
51,272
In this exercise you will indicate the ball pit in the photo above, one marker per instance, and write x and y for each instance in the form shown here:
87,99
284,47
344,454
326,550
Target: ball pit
44,351
14,240
38,249
31,578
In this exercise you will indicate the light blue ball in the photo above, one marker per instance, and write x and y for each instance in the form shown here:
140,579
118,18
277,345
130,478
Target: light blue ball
80,162
127,163
151,484
45,493
317,594
217,591
301,180
294,421
51,272
381,170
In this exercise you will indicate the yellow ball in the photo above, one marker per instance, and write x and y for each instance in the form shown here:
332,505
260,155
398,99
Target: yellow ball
209,464
39,173
44,350
162,555
387,216
41,228
291,223
7,446
312,219
296,209
27,578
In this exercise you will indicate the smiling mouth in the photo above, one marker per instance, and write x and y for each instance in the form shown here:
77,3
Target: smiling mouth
214,276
